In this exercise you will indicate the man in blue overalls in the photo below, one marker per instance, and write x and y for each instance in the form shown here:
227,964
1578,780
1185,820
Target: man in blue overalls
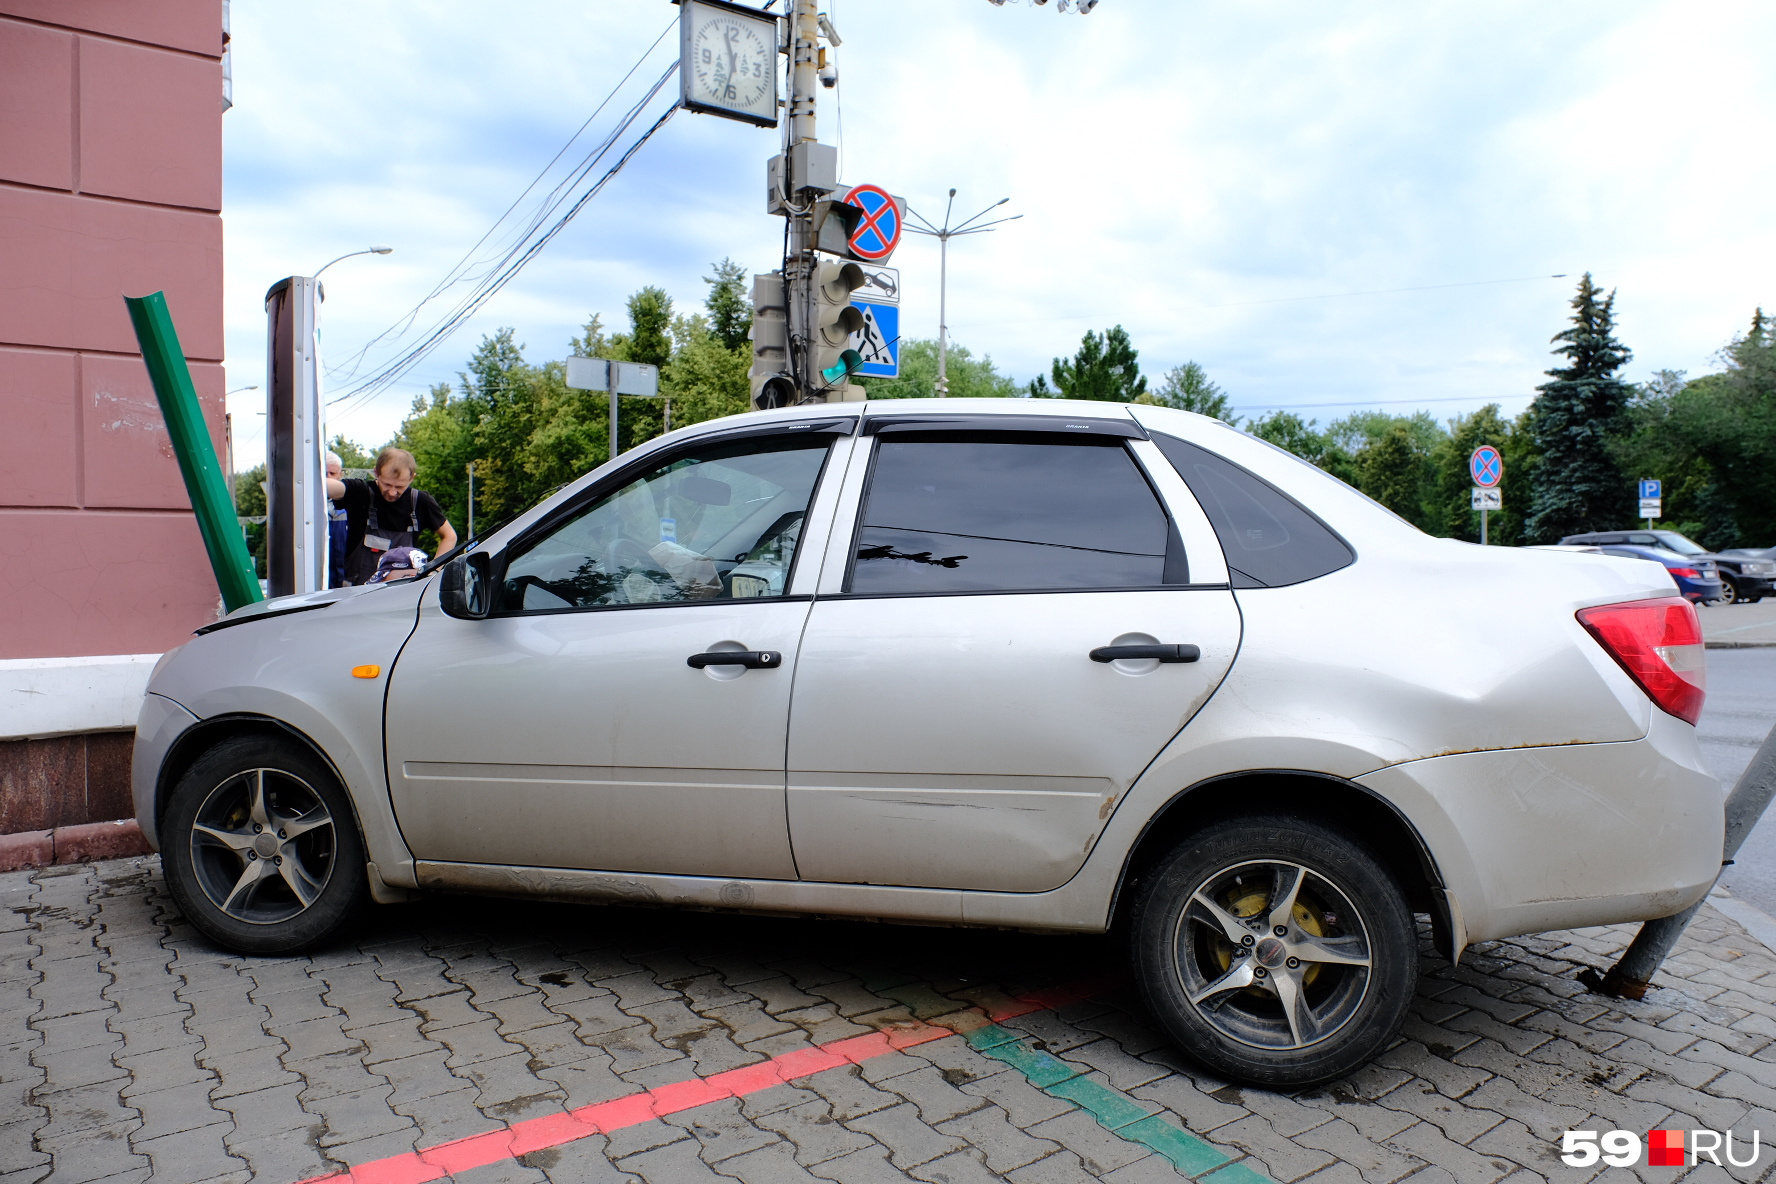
386,513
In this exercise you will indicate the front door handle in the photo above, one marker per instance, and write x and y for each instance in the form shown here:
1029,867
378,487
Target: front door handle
751,659
1165,653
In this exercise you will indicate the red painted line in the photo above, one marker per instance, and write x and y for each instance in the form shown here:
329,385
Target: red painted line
537,1134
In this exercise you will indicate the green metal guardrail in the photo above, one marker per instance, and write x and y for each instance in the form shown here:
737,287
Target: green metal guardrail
236,575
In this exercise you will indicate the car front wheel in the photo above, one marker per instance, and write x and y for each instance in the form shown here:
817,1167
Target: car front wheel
260,848
1729,592
1276,951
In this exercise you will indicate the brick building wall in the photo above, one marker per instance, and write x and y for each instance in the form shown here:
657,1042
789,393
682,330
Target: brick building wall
110,185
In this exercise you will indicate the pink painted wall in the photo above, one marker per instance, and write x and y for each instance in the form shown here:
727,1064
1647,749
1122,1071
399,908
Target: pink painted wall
110,185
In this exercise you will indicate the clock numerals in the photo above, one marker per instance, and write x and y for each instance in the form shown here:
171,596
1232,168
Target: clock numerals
730,64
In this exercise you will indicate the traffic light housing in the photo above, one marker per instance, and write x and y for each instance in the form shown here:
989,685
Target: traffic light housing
772,385
835,320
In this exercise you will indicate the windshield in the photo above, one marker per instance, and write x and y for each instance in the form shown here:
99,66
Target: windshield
1676,542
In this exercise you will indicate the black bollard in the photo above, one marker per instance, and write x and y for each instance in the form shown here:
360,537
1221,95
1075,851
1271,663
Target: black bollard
1630,977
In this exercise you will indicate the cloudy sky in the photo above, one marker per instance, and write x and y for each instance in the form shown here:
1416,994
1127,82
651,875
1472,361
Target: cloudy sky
1328,205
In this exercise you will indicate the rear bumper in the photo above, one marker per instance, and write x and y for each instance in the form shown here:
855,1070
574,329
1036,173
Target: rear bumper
1700,589
1533,839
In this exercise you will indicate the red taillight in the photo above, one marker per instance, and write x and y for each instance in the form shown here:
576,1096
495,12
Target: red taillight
1659,644
1688,573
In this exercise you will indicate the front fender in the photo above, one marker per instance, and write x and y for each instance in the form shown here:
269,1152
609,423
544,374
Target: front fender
296,670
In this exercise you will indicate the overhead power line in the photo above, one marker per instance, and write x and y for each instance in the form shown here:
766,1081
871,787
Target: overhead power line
518,242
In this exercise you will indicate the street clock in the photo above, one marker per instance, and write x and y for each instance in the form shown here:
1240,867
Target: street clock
728,61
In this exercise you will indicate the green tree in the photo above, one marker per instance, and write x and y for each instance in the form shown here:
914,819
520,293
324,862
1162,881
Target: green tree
1188,388
1579,485
1105,368
1394,470
969,377
730,310
249,502
1711,441
352,455
1453,513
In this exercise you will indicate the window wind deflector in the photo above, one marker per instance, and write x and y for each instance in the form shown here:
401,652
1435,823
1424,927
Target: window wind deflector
1087,426
842,425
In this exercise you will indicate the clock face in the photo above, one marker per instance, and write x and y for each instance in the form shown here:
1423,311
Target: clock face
729,63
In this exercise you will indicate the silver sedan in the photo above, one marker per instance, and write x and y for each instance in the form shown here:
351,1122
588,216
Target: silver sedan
1048,665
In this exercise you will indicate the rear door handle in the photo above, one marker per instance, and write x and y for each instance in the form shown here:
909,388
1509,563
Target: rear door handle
751,659
1165,653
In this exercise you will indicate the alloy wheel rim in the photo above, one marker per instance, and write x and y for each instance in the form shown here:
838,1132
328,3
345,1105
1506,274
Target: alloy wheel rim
263,846
1273,954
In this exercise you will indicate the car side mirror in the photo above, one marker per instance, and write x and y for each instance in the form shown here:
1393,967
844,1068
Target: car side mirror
465,590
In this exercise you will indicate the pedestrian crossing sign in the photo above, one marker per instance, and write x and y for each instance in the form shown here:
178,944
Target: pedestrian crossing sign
878,342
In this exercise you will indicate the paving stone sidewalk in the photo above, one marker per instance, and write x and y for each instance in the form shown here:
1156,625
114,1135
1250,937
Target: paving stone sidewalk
130,1049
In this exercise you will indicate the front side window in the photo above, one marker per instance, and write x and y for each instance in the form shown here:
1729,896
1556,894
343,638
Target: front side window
720,523
986,512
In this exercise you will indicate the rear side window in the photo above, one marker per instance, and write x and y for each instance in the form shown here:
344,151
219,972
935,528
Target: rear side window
1269,539
1011,512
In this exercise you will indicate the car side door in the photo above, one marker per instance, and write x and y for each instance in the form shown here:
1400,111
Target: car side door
590,721
1012,628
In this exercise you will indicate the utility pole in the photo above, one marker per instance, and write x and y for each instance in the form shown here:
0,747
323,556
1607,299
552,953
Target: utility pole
803,150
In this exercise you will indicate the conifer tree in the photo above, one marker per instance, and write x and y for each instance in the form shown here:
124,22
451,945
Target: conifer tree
1104,368
1578,485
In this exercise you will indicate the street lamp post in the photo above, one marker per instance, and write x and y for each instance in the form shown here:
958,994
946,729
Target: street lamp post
349,254
943,235
228,438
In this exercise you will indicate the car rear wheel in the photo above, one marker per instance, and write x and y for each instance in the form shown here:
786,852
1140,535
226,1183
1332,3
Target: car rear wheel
260,847
1276,951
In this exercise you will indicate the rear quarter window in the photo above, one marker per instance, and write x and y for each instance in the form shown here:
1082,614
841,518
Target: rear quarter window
1270,540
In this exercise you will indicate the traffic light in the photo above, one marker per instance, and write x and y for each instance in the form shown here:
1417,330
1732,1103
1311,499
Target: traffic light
772,385
835,320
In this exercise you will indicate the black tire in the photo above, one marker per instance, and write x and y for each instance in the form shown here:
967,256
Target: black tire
261,848
1729,592
1238,967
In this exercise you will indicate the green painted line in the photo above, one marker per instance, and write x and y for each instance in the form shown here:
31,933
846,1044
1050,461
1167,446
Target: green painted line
1110,1108
1042,1069
989,1036
1188,1153
1237,1173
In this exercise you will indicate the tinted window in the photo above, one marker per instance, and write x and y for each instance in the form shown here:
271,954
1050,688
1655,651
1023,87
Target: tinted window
720,523
985,513
1270,540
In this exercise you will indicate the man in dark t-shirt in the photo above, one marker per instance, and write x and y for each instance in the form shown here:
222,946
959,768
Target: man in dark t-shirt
386,513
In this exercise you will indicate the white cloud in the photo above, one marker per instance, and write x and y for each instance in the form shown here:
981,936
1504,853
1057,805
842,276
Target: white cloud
1175,163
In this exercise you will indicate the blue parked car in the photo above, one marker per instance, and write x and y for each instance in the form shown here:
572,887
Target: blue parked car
1698,579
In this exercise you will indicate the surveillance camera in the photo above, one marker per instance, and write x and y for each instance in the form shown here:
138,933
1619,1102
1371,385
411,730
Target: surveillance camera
829,75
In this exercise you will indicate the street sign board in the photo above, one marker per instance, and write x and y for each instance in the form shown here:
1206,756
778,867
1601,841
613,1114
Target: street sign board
877,232
880,284
1488,499
588,374
1649,507
878,342
597,374
1650,490
1487,467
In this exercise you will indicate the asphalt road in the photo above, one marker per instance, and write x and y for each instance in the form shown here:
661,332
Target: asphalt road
1738,714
